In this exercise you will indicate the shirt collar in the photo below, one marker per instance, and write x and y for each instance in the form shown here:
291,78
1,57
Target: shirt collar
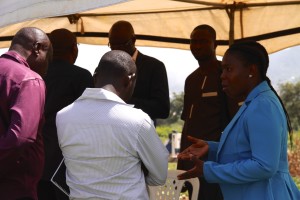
17,57
101,94
262,87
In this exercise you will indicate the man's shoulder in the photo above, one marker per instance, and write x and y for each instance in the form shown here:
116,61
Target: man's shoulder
148,59
133,115
122,114
60,65
17,72
82,72
81,69
136,112
193,74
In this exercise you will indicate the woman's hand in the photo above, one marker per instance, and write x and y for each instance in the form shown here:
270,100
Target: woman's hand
199,148
196,171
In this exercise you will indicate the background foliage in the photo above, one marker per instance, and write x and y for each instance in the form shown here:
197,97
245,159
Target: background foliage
294,158
176,104
290,95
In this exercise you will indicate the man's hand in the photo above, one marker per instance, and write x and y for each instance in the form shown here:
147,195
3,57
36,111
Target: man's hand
196,171
198,149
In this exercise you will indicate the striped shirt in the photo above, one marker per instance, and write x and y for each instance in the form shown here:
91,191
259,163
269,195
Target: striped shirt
104,142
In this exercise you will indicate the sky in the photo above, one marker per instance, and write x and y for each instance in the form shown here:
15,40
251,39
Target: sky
284,65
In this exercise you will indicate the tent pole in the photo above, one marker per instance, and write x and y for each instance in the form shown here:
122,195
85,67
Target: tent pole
230,10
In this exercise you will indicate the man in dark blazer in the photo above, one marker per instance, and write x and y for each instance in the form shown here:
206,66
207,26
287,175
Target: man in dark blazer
151,93
65,82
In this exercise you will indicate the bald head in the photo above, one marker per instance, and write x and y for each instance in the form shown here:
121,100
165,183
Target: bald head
122,37
34,45
116,73
25,37
64,44
123,26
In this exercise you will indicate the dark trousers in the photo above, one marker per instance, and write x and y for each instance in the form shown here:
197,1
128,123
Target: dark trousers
207,191
48,191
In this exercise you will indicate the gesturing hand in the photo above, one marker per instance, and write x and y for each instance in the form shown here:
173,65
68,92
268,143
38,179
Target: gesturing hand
196,171
198,149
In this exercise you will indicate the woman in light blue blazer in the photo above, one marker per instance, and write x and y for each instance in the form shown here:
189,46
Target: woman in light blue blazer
250,161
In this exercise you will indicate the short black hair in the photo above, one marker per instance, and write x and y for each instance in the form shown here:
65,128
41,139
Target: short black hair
113,66
210,29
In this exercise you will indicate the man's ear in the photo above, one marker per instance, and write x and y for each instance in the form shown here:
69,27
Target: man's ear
125,81
133,39
36,48
253,71
75,48
74,52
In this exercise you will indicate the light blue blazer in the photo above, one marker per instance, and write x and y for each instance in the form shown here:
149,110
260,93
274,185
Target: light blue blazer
250,161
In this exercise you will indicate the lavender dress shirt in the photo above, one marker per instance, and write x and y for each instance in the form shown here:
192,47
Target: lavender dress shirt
22,98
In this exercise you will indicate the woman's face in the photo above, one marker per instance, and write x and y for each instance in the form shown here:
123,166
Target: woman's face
235,76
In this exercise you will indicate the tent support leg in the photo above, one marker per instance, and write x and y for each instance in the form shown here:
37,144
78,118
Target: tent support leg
230,10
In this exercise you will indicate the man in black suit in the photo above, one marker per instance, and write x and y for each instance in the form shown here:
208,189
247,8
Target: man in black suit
65,82
151,93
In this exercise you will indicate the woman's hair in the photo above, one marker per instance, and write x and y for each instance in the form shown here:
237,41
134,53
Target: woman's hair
252,52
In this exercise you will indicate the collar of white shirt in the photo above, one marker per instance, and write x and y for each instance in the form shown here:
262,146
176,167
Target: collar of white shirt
100,93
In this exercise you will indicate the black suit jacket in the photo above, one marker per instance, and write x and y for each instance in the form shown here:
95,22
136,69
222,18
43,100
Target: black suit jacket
151,93
65,83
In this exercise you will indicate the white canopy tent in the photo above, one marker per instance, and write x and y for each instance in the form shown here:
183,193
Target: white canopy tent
160,23
14,11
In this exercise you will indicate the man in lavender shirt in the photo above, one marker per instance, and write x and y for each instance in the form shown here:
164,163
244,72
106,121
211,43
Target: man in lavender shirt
22,98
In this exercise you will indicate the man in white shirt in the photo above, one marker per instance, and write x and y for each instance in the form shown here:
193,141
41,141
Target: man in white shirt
105,141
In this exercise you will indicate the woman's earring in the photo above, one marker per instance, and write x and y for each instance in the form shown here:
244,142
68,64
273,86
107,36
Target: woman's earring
250,75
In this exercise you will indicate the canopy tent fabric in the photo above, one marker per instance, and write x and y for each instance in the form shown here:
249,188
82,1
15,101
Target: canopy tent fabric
15,14
168,23
14,11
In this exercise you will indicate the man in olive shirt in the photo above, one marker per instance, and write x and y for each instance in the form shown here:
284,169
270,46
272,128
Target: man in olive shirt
207,109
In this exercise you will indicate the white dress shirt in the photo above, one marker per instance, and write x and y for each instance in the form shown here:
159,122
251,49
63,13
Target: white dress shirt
104,141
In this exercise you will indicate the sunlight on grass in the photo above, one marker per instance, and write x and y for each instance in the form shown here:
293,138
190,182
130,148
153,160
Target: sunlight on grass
172,165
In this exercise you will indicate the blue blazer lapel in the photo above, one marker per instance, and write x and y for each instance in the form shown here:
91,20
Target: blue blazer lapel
262,87
229,126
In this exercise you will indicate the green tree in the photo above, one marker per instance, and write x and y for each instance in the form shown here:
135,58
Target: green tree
290,95
176,106
173,122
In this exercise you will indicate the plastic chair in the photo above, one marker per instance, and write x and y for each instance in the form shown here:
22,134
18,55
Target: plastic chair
172,188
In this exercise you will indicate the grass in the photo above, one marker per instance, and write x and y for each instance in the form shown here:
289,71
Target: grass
294,158
172,165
